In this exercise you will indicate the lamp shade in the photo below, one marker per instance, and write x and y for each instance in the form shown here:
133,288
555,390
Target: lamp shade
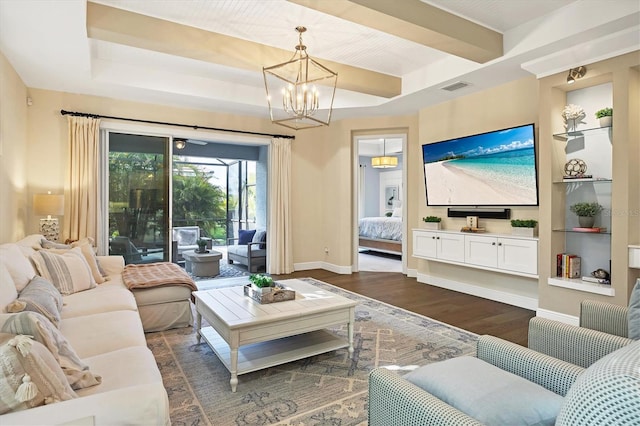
48,204
384,162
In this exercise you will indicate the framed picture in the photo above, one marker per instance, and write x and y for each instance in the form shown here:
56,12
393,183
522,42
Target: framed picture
391,194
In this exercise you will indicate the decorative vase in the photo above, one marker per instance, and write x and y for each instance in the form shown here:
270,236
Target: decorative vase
202,249
261,290
571,125
586,221
432,225
605,121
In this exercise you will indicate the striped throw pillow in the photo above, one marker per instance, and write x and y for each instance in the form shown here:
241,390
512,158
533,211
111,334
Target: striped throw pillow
69,271
39,296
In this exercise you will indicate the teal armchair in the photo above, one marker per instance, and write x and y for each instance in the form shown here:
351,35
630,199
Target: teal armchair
563,394
569,375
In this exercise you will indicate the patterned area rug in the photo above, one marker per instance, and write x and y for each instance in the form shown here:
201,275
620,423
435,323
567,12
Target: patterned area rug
328,389
226,271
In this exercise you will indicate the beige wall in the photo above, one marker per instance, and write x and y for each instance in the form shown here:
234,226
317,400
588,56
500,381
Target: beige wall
13,153
321,169
509,105
330,202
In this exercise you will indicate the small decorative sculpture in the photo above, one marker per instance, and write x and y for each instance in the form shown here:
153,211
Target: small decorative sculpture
572,115
601,274
575,167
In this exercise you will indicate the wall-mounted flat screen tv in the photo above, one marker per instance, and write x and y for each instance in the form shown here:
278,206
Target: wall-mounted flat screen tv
490,169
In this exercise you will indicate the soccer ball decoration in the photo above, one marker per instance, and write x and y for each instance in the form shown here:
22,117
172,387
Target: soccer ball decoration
575,167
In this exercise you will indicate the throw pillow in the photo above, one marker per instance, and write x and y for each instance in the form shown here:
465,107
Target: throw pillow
17,264
488,394
39,296
69,271
88,252
188,237
634,312
8,292
29,375
82,241
260,237
33,324
46,244
245,236
606,393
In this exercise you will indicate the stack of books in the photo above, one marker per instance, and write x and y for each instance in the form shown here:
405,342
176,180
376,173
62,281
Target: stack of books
568,265
596,280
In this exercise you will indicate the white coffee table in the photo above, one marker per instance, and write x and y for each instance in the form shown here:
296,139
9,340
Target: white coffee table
248,336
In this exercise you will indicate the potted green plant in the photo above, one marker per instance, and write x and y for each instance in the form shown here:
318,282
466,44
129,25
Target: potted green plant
202,245
261,283
586,213
524,227
432,222
605,115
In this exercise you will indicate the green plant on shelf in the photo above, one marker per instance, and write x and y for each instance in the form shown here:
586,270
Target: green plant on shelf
261,281
433,219
524,223
604,112
586,209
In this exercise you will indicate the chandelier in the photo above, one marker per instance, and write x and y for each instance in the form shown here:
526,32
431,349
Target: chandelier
294,99
384,162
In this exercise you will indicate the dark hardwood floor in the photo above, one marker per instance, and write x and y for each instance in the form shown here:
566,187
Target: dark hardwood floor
471,313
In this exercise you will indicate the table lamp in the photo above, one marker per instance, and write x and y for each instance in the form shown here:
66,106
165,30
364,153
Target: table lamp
49,204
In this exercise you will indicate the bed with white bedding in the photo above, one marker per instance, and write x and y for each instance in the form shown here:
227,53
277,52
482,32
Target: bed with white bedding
381,234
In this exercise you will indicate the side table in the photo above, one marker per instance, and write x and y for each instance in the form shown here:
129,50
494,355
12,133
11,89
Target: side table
202,264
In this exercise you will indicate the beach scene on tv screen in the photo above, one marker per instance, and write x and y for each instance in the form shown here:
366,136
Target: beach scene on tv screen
496,168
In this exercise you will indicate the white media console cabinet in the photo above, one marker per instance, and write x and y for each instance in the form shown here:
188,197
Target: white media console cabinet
493,252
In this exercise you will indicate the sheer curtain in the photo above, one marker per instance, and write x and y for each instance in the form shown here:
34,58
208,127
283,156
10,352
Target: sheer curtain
82,213
279,241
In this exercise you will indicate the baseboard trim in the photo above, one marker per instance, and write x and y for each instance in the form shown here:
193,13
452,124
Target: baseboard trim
305,266
474,290
412,273
557,316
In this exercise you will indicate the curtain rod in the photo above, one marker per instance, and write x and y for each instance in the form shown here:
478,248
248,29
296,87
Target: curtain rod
164,123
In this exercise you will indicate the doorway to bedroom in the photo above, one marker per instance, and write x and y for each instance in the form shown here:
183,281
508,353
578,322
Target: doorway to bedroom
379,193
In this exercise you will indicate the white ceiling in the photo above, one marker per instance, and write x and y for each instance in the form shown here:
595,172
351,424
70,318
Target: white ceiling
46,42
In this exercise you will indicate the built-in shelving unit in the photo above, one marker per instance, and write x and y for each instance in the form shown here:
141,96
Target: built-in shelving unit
611,179
593,145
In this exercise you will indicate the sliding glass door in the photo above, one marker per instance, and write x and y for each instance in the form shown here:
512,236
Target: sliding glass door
212,196
139,197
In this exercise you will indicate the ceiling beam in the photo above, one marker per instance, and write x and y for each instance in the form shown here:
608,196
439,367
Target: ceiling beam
419,22
145,32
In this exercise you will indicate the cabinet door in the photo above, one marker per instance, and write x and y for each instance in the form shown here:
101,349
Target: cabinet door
424,244
518,255
450,246
482,251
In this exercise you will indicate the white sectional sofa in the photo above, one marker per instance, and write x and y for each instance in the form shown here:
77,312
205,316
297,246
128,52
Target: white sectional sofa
103,326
